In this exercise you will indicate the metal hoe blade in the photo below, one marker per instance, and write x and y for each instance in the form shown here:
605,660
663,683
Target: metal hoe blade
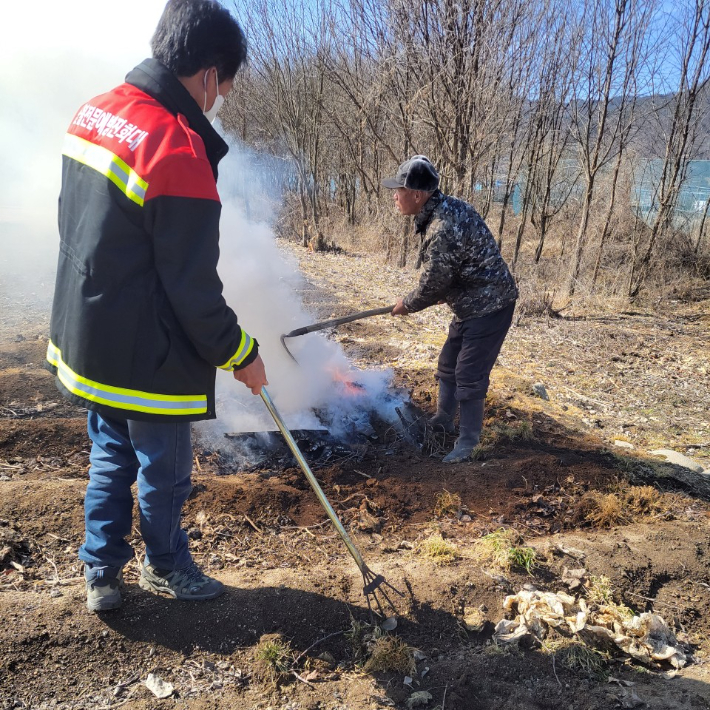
375,585
332,323
290,354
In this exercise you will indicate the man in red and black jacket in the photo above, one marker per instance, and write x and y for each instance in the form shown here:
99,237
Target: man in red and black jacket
139,324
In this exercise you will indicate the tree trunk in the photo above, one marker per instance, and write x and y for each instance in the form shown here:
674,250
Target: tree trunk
701,228
606,229
542,231
581,234
404,246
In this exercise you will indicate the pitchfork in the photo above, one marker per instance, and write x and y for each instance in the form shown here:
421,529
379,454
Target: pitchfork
374,584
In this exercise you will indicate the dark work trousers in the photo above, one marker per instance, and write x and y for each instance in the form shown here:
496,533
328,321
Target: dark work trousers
470,352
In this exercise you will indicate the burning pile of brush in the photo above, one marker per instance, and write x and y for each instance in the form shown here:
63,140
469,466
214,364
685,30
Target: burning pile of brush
342,427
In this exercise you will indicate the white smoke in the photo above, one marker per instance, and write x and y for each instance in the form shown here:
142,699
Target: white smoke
55,57
263,285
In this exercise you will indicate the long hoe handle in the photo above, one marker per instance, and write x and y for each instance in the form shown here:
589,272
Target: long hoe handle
337,321
314,483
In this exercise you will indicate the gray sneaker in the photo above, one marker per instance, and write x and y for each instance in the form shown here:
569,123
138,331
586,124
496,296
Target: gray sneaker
103,593
188,583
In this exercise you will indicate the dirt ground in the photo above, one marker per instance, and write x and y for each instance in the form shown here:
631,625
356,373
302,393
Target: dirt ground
544,470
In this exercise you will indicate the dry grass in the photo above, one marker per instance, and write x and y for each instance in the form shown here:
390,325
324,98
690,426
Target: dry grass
599,590
644,501
535,303
447,504
600,593
583,660
358,636
497,432
511,431
480,452
441,551
390,653
601,510
273,657
621,506
377,652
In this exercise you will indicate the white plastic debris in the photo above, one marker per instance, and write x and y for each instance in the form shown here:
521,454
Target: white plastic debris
545,606
645,638
158,686
649,639
513,632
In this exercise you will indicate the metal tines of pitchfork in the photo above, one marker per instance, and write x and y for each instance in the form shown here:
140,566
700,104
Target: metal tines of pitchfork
375,585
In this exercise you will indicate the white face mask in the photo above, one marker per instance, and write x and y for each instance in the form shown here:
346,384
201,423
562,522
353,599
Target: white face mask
217,105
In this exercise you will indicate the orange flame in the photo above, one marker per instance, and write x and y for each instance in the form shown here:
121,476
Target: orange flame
345,382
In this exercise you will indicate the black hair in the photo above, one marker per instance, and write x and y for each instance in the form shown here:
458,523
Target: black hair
198,34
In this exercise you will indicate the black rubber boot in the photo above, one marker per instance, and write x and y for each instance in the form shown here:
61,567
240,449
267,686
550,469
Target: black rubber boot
470,424
446,405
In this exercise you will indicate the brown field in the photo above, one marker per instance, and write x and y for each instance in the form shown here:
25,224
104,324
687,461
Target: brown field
292,632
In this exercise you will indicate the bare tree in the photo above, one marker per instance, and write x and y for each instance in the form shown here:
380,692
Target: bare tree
515,105
693,34
448,51
604,77
284,47
371,81
701,227
541,96
548,182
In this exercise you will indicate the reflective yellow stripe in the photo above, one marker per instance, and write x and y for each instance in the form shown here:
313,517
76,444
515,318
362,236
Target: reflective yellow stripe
107,163
121,398
246,345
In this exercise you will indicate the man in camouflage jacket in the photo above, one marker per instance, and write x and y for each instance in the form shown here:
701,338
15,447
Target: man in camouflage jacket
463,268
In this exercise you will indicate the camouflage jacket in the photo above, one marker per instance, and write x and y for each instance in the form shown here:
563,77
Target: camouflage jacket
462,263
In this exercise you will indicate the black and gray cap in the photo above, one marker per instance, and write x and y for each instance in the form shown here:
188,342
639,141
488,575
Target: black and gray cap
417,173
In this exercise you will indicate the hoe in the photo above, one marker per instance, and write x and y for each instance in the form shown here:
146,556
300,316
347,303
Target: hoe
332,323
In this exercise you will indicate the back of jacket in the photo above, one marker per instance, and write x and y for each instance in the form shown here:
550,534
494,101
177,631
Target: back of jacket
462,263
139,323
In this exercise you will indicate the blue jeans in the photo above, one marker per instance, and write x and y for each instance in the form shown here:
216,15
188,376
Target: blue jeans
158,457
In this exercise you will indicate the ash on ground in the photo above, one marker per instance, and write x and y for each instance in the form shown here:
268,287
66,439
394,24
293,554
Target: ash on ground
355,432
